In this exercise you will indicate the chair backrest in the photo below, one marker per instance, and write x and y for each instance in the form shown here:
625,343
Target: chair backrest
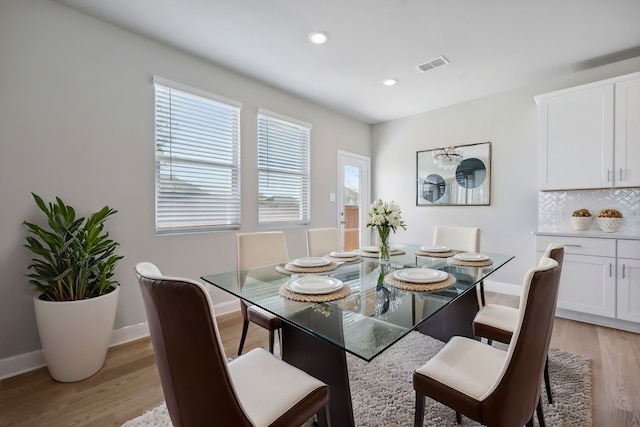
513,398
465,239
321,241
191,361
262,248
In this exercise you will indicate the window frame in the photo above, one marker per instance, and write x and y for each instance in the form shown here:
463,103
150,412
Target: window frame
264,119
207,149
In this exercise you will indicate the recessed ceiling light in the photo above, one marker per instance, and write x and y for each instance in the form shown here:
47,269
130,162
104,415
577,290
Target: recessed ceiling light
318,37
389,82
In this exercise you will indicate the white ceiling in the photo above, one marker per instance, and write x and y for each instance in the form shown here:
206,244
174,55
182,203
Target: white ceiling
492,45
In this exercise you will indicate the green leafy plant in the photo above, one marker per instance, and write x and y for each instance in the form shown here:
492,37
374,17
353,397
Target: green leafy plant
75,259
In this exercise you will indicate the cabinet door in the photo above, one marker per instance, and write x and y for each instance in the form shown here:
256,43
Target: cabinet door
576,139
627,133
588,285
629,289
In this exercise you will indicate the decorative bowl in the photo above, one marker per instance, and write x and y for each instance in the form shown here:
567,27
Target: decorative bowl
609,225
580,222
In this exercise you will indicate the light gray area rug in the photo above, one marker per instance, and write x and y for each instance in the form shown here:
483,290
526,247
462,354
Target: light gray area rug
383,395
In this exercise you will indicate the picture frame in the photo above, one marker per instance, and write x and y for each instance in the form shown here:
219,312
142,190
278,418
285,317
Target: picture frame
458,175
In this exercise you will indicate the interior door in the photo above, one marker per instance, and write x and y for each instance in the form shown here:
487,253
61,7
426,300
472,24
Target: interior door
353,199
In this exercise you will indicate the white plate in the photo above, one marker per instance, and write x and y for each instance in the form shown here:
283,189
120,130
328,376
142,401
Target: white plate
370,248
314,261
436,248
420,275
470,256
342,254
314,285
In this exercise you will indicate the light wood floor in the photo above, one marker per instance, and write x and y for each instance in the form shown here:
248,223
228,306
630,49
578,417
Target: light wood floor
128,384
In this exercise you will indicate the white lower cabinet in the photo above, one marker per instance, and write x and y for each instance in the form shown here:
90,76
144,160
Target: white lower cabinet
629,280
600,279
588,285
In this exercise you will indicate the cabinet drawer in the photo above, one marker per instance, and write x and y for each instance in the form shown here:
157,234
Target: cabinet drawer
629,249
579,245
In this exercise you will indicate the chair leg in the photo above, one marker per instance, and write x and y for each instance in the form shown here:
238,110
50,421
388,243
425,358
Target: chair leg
271,341
419,418
546,381
490,342
482,299
327,416
540,414
245,328
458,418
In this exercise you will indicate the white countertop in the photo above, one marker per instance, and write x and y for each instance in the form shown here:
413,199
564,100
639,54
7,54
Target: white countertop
588,233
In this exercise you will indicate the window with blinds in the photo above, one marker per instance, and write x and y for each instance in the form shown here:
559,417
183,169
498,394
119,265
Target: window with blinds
197,158
283,170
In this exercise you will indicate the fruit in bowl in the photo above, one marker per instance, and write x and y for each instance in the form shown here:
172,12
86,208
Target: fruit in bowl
581,219
609,220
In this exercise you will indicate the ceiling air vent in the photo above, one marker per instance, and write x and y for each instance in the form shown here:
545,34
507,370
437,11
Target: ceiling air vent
436,62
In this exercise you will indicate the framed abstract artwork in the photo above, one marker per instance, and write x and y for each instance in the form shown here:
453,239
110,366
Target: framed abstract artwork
456,175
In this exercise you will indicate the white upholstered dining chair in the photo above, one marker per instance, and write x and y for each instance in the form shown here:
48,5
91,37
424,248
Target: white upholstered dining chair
255,250
200,387
497,322
322,241
494,387
460,239
463,239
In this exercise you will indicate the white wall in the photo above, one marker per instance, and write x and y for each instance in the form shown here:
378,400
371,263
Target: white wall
76,121
509,121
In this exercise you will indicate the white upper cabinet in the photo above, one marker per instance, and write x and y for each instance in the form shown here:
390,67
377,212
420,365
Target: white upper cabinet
627,133
590,135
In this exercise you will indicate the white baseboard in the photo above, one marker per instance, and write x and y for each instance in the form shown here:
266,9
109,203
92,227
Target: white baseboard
22,363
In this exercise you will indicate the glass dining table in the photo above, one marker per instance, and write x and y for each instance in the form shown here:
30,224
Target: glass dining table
373,316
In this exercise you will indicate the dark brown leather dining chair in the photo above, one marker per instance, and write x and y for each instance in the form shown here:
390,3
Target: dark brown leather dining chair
496,322
200,387
494,387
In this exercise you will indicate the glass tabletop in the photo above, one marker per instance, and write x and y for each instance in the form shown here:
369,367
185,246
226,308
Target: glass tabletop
375,315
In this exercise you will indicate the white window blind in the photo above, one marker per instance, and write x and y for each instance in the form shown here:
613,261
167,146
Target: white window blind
283,170
197,157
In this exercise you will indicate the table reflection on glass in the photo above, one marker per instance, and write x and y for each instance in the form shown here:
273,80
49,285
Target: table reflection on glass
315,336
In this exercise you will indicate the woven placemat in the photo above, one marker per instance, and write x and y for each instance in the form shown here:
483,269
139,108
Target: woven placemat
377,255
447,254
389,279
484,263
292,268
343,292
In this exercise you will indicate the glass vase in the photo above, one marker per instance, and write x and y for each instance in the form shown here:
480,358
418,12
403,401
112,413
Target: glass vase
383,252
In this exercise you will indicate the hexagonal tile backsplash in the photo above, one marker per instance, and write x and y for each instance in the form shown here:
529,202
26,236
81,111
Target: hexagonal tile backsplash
555,208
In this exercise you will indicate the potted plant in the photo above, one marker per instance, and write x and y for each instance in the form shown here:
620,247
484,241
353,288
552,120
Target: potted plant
609,220
76,299
581,219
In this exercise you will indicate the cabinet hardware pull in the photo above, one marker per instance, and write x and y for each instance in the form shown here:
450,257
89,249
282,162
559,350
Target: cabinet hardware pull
610,270
608,175
574,246
623,270
620,174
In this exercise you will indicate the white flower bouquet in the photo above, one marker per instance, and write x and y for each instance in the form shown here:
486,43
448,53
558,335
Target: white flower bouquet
385,217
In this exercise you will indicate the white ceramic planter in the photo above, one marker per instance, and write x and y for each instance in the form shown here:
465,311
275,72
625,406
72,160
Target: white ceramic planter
609,225
580,222
75,334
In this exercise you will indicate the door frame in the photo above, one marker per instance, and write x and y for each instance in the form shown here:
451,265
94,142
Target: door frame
365,192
